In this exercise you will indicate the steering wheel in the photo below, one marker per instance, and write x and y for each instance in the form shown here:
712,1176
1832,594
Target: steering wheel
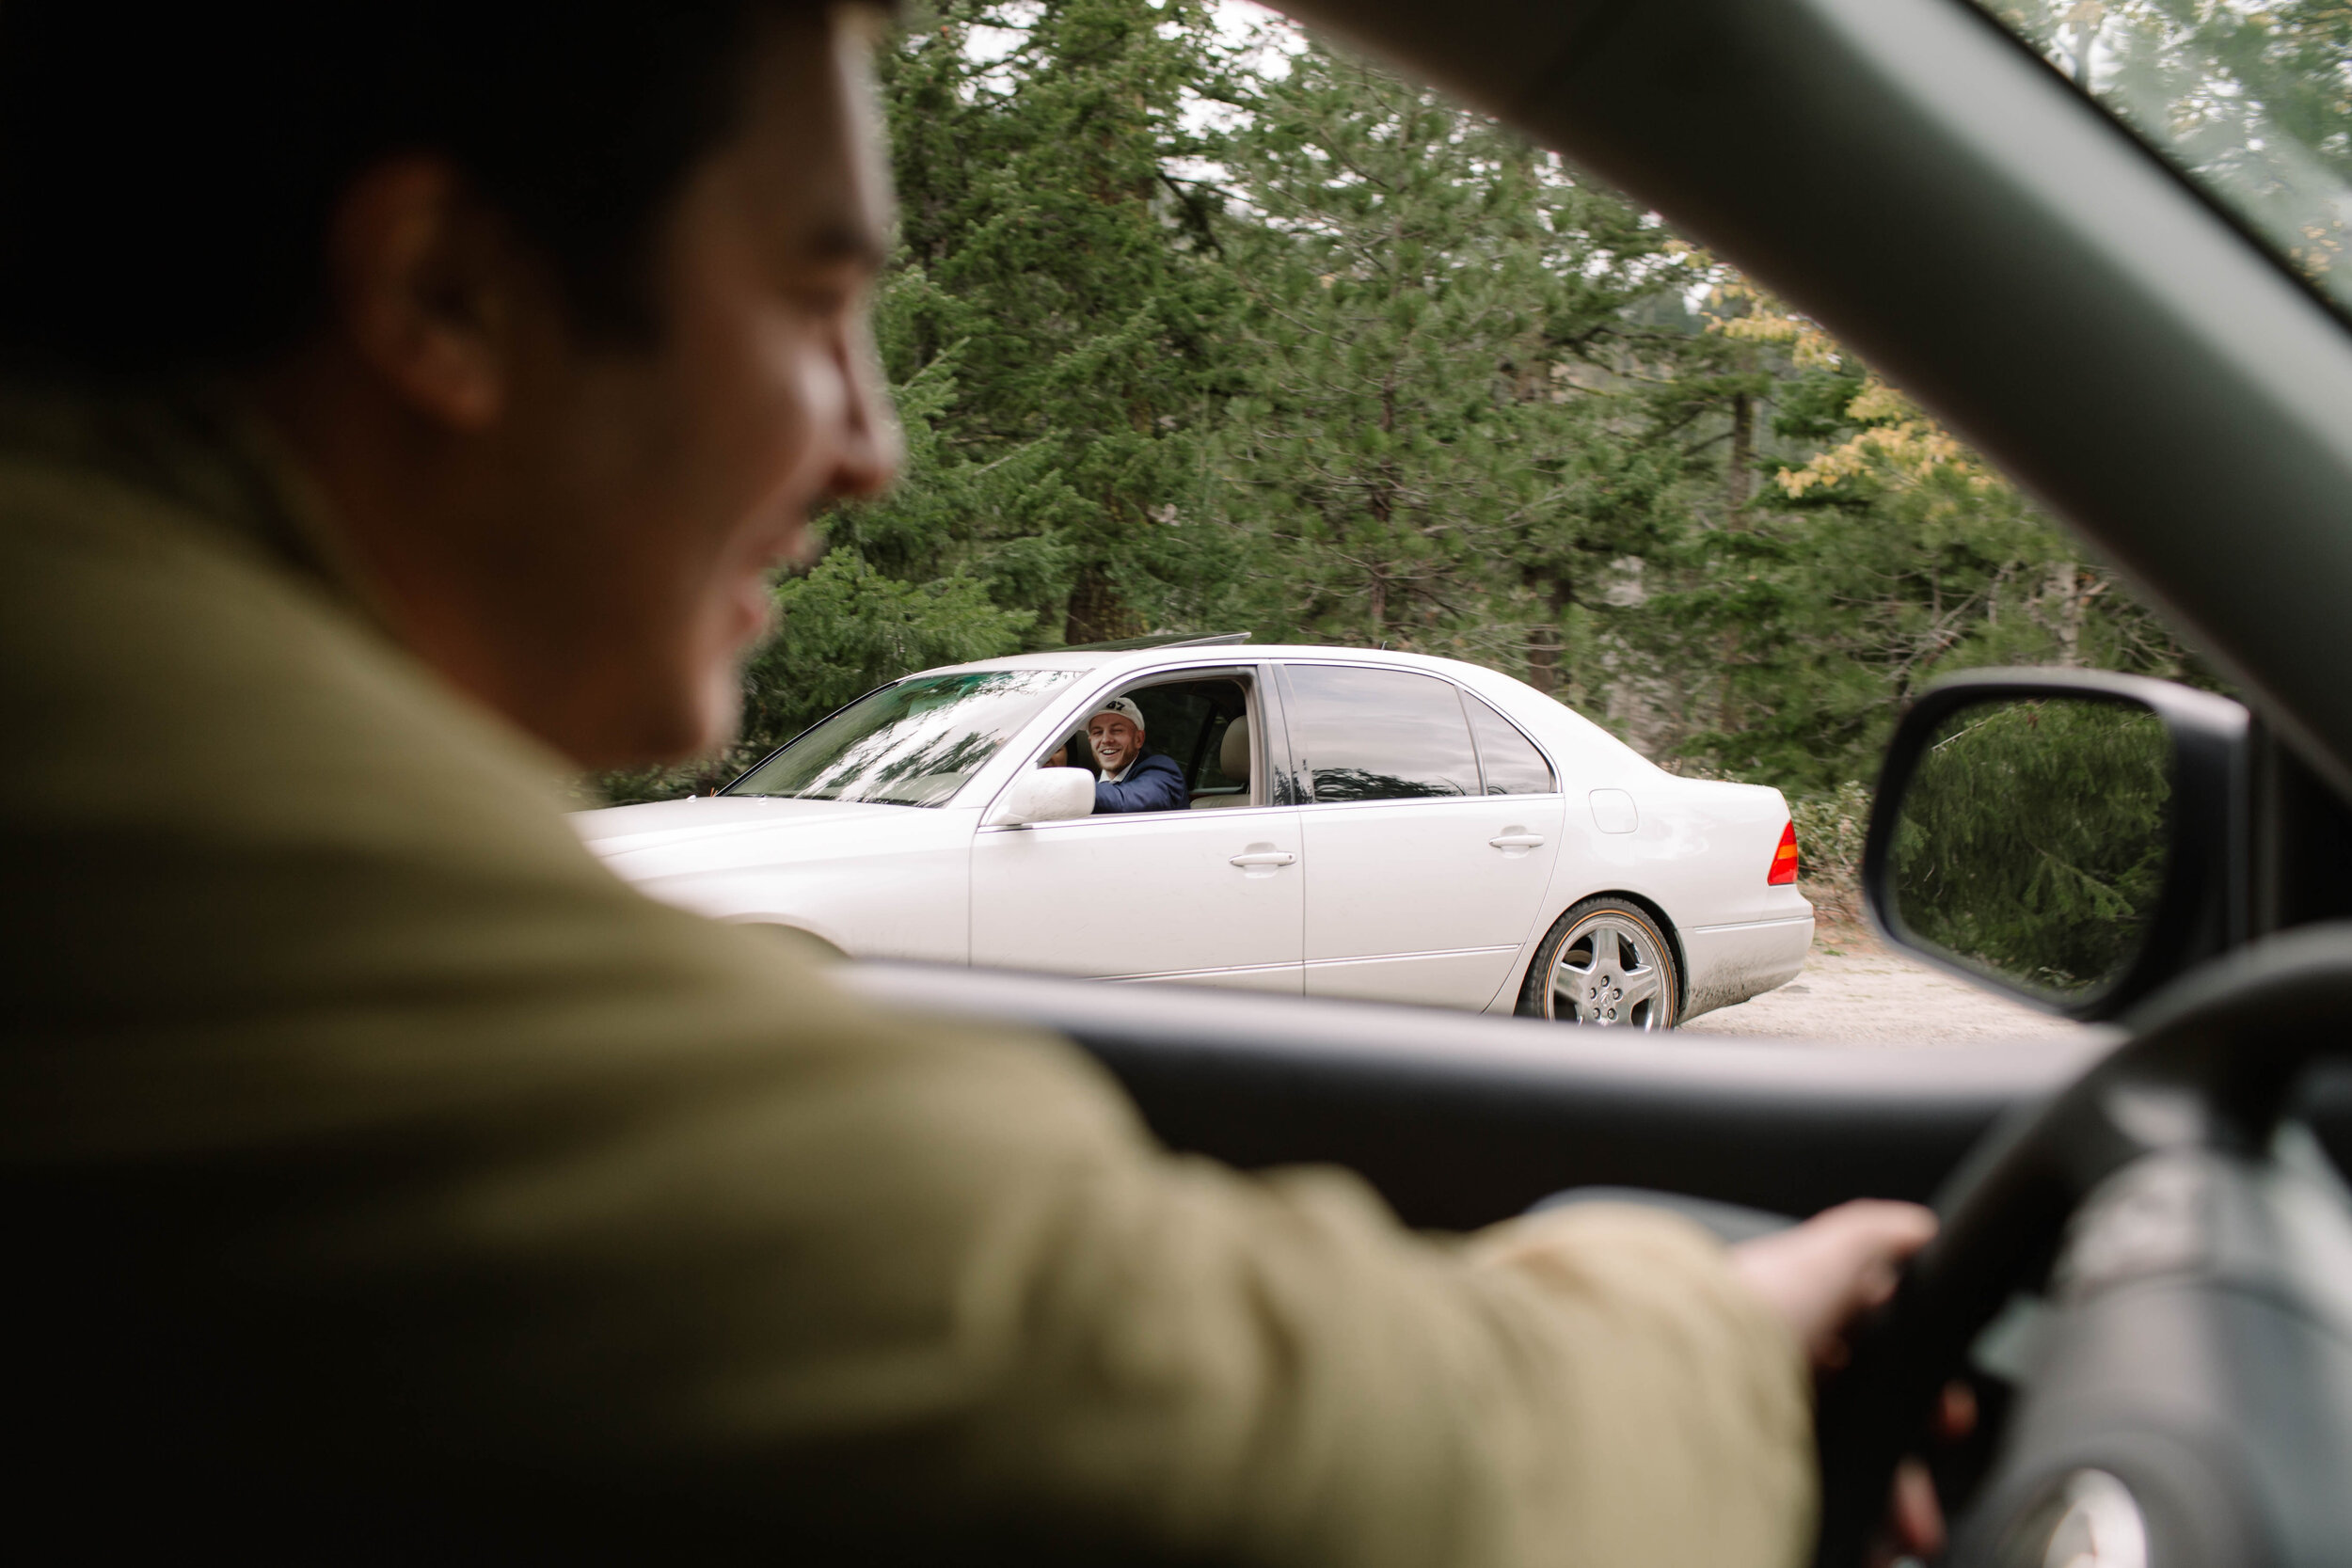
2204,1077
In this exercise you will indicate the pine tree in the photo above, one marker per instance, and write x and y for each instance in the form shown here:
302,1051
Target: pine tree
1065,278
1441,449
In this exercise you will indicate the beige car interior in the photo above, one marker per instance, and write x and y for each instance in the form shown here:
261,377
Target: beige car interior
1232,760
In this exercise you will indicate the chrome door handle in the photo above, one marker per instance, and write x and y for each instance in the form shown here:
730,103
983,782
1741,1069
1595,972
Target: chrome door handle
1518,840
1264,857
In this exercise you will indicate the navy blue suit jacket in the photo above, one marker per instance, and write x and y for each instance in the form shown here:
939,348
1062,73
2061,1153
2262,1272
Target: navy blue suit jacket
1155,783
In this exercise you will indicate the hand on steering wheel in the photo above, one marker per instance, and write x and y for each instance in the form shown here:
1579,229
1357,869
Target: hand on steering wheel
1820,1277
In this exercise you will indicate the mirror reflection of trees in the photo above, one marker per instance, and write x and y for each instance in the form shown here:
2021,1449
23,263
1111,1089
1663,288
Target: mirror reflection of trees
1359,783
2034,839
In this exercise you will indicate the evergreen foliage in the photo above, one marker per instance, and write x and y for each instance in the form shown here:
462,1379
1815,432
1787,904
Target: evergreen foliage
1444,441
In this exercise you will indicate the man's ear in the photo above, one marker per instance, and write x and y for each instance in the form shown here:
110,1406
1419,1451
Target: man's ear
423,280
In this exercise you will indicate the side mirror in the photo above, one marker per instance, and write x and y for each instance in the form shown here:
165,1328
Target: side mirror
2073,837
1044,795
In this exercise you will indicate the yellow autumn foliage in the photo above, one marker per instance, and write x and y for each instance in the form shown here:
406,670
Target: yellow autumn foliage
1767,321
1902,445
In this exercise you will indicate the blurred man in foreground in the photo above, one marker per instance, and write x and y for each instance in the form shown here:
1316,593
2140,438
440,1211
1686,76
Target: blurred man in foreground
406,406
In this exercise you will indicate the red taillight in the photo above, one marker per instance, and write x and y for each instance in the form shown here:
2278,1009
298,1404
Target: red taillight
1784,859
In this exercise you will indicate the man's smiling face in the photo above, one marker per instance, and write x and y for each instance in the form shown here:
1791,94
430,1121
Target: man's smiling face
576,528
1115,740
695,467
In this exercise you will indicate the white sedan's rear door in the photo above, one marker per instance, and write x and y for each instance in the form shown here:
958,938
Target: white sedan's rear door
1210,897
1421,887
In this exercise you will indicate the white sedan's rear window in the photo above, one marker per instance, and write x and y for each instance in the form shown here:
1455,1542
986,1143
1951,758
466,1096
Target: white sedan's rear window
1380,735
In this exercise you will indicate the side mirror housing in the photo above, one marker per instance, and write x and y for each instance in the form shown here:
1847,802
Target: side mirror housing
1044,795
2073,837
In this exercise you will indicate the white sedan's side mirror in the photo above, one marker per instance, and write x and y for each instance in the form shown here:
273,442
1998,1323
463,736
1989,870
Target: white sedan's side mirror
1046,794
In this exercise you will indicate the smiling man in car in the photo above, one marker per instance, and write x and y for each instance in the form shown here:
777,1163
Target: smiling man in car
1132,780
406,406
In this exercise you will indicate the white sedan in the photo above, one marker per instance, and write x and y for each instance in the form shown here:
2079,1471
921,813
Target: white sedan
1373,825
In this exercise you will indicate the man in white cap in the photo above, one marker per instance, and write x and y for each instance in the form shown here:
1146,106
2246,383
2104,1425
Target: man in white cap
1131,780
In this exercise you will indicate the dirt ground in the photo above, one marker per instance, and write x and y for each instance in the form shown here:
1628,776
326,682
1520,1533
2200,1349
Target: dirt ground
1855,990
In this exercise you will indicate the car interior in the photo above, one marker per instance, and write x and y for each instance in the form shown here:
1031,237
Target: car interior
2159,1207
1222,776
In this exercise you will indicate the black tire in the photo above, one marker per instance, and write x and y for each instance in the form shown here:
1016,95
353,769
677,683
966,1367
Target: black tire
1603,948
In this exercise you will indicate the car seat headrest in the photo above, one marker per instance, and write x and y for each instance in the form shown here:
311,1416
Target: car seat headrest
1232,754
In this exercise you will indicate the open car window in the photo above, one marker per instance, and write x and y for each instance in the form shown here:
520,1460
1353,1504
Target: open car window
2253,103
1183,717
911,744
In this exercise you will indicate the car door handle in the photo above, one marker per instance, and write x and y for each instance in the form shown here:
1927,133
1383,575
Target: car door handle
1518,840
1264,857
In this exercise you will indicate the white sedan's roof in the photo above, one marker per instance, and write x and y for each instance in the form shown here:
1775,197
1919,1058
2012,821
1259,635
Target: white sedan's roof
1114,660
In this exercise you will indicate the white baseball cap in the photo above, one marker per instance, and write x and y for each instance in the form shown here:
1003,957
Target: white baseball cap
1122,707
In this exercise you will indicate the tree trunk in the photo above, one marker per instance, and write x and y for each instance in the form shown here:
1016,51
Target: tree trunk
1738,487
1739,471
2066,599
1726,656
1544,645
1097,612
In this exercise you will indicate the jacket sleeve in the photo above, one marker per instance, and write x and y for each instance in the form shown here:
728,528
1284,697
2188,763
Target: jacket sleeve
1156,784
383,1164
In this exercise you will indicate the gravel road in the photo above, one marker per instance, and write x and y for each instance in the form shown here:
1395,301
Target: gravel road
1854,990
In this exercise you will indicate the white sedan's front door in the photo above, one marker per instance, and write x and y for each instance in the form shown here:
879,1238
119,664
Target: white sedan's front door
1210,897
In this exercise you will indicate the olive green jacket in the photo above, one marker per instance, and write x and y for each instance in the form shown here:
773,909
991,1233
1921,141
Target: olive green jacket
383,1176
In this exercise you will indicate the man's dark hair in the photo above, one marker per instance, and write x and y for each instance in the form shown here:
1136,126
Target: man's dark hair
167,171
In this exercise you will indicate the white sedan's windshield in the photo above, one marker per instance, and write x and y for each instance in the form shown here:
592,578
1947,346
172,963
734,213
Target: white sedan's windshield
910,744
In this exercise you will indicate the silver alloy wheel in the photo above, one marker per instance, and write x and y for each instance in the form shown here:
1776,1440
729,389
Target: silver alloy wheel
1606,971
